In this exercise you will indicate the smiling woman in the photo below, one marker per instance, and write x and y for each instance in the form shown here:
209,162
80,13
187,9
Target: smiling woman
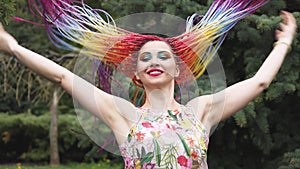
161,133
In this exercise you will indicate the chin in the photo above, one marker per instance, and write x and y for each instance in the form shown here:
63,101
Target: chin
157,83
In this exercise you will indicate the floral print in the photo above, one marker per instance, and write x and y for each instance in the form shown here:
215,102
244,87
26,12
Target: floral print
171,139
184,162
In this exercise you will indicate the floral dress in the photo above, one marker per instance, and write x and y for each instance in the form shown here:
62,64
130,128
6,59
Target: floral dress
169,140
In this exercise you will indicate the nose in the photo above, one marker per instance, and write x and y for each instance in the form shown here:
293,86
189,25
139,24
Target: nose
154,62
154,65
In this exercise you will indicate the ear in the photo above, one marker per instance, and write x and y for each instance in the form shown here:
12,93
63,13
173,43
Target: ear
177,71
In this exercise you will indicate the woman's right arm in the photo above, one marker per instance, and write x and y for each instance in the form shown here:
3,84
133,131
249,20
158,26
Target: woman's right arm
96,101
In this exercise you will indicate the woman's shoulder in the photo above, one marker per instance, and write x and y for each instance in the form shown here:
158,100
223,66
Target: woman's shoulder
200,104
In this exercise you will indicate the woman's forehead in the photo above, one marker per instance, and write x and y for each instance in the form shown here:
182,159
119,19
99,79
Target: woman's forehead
155,45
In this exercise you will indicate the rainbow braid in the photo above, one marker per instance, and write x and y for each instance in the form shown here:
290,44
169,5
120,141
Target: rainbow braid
206,36
72,25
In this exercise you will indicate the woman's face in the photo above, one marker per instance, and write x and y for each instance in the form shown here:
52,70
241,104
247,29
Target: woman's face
156,64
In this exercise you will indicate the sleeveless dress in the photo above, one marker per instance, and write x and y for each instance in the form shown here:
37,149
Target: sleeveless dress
169,140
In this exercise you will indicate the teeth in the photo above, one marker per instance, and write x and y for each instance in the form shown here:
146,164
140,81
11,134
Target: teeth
155,72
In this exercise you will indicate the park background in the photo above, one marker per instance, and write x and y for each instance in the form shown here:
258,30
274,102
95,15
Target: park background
265,134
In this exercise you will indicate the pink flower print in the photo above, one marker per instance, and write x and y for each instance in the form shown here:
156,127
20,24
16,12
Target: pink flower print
147,124
184,162
170,126
128,162
148,166
140,136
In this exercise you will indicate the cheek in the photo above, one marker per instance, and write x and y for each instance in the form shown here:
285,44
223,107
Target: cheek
170,67
141,66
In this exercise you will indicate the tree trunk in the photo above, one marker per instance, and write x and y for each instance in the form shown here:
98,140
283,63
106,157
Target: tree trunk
54,153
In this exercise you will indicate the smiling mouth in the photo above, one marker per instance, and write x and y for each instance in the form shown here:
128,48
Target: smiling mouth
155,72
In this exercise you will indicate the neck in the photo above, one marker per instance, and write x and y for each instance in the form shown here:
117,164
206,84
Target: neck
160,98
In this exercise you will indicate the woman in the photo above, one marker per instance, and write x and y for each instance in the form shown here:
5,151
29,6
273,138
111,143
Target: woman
161,133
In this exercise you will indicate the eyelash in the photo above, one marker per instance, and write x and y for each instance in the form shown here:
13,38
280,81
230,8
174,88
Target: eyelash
146,58
162,56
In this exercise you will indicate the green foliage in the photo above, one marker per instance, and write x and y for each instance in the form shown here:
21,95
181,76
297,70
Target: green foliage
7,10
273,7
291,160
33,132
240,118
21,89
178,8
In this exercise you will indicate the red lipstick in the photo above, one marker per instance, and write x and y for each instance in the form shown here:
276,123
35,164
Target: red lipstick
155,72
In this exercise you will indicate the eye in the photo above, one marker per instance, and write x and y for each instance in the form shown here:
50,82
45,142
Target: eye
146,56
164,55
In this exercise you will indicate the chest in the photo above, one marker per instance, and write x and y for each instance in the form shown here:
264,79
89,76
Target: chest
169,138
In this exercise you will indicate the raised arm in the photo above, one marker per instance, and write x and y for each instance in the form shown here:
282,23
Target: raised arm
101,104
214,108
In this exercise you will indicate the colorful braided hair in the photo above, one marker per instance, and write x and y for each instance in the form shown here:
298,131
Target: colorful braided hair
72,24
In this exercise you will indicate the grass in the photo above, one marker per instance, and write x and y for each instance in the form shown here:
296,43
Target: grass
101,165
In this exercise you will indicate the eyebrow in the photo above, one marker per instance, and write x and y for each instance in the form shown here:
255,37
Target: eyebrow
162,50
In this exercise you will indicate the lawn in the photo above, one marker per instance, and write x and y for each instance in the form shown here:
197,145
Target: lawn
101,165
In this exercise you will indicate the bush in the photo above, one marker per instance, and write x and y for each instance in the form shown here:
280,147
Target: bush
25,137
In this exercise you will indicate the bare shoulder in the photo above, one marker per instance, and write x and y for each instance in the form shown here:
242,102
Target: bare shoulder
201,106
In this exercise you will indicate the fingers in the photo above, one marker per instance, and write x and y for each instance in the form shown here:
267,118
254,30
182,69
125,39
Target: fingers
287,28
288,18
288,23
283,15
277,32
282,26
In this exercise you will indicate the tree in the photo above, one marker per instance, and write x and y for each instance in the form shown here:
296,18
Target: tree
57,94
34,90
29,88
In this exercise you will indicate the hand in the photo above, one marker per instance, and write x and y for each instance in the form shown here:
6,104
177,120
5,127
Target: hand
288,28
7,42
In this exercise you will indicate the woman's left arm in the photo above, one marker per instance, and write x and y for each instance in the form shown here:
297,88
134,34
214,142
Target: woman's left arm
240,94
